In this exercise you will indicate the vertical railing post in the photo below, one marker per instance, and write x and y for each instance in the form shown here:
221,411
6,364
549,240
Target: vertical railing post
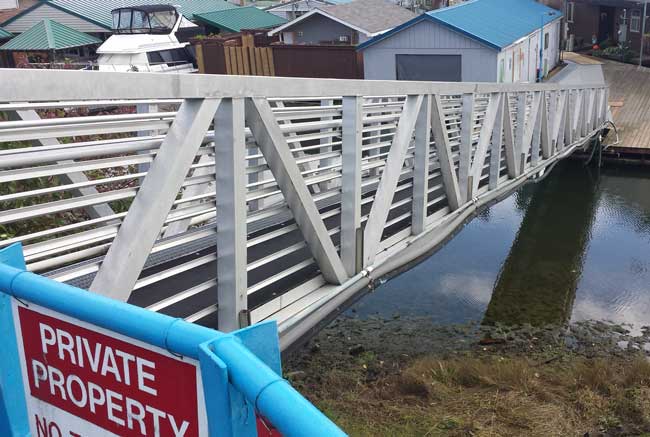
595,115
546,142
584,114
569,116
536,112
576,131
466,139
351,235
230,169
554,112
421,167
584,126
604,106
520,157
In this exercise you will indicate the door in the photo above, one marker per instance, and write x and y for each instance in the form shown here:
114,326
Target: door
606,23
517,67
439,68
502,70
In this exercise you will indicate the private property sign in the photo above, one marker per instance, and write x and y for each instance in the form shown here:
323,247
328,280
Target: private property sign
77,364
81,380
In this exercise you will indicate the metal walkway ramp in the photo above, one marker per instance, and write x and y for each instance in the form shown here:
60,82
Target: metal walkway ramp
231,200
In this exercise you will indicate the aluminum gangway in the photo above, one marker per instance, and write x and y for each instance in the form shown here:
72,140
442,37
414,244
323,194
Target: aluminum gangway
230,200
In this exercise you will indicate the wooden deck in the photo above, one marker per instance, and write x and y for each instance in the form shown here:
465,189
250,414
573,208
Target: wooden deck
581,59
630,103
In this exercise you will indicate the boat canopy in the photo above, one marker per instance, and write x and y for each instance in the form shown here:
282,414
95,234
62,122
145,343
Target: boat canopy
157,19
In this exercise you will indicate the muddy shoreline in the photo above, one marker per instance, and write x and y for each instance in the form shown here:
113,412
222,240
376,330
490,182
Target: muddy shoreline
382,377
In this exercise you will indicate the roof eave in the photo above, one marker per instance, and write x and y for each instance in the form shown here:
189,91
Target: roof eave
381,36
323,13
469,35
59,7
418,19
20,14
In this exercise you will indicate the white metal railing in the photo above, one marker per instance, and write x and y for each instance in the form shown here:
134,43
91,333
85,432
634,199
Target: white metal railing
302,184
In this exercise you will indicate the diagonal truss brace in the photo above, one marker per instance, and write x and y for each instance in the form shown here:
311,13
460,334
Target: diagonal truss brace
485,138
512,162
443,149
282,164
142,225
386,189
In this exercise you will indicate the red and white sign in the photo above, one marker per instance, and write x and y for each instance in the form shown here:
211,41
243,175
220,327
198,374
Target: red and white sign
84,381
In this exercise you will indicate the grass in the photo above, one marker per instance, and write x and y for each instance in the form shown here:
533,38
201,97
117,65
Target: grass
487,396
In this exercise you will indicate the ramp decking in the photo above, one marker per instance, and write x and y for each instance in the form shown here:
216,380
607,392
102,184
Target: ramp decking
629,97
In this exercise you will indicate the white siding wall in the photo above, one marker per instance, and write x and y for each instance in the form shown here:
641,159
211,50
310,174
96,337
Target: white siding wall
553,53
427,38
8,4
36,15
520,61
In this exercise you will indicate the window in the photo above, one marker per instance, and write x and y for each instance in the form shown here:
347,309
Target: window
546,38
173,56
635,21
125,19
140,22
570,8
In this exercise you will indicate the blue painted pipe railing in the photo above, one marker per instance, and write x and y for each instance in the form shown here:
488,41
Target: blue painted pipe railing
260,385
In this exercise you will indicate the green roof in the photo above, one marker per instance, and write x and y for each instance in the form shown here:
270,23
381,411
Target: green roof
99,12
234,20
4,34
50,35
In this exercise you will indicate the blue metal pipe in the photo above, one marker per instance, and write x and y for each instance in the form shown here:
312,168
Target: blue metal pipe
166,332
272,395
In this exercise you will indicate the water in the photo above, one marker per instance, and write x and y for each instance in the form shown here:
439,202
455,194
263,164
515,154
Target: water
573,247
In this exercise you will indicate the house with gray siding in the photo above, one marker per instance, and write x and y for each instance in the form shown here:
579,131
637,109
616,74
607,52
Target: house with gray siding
474,41
347,24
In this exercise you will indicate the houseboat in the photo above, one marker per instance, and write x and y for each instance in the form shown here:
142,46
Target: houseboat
150,38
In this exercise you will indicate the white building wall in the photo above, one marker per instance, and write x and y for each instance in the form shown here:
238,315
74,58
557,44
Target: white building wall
520,60
38,14
8,4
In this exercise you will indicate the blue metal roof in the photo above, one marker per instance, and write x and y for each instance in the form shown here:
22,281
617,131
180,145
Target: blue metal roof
495,23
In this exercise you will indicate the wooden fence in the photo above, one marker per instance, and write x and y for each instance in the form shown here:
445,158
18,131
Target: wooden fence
248,55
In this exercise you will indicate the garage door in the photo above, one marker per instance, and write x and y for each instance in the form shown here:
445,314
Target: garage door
444,68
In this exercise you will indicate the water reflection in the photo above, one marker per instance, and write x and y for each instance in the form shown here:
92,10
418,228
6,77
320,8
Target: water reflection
575,246
539,278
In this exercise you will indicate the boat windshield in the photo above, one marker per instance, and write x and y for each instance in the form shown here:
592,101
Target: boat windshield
145,19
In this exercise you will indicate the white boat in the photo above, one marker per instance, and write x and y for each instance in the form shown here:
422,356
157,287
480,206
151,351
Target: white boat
146,38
